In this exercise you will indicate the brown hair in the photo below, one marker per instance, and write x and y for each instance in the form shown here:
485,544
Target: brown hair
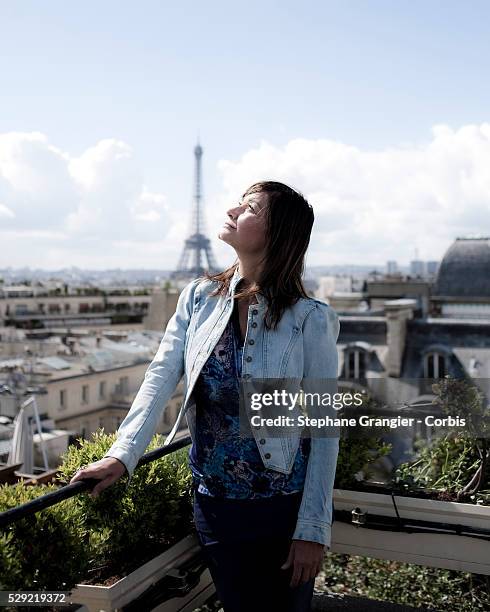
289,220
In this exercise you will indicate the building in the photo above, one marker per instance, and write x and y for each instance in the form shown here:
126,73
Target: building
83,378
392,288
397,350
462,287
39,307
417,268
391,267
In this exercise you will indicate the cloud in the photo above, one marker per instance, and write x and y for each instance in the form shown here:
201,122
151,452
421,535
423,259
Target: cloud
35,185
93,201
6,212
371,206
95,209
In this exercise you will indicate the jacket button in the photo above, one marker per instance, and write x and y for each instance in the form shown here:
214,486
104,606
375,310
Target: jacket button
254,324
251,341
255,311
249,358
262,441
267,455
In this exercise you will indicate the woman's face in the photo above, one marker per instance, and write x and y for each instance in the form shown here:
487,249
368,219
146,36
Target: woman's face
245,228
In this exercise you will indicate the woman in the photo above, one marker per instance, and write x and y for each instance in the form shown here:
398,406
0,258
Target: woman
263,518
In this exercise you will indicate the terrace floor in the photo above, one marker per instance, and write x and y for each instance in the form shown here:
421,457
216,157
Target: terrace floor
332,602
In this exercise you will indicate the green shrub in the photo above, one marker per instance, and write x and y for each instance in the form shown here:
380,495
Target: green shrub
358,452
445,465
406,583
455,462
356,455
71,541
155,509
45,550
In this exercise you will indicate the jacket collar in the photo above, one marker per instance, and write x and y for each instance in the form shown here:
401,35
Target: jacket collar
235,279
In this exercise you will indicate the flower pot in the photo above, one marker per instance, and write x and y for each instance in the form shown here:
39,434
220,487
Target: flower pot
442,548
178,590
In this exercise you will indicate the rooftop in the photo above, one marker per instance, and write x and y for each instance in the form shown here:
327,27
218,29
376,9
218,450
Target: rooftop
465,269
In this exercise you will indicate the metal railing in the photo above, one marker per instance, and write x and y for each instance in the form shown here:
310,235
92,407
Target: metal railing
375,521
70,490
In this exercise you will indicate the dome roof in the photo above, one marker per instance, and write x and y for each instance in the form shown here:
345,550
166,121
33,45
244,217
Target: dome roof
465,269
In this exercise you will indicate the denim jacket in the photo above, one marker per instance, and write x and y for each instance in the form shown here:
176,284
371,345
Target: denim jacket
302,346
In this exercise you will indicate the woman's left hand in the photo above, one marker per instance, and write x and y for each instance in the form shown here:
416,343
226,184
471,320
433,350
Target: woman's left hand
306,559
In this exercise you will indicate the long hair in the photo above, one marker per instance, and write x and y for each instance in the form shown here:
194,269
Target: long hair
289,219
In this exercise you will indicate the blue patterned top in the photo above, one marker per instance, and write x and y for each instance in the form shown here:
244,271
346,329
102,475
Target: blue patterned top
223,463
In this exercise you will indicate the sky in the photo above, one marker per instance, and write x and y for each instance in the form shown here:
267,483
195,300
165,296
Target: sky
377,111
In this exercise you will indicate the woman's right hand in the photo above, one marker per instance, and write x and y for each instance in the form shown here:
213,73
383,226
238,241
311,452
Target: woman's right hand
107,470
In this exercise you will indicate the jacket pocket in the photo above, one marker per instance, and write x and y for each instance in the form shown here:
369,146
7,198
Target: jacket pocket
287,352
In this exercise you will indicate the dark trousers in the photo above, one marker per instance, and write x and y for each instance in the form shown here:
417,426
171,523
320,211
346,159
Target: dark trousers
245,542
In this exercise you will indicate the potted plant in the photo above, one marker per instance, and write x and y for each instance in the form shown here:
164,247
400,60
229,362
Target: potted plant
117,545
437,511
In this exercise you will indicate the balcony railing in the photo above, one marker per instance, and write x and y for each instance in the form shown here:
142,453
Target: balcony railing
70,490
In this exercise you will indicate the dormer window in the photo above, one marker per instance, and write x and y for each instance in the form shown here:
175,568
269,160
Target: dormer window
435,365
355,364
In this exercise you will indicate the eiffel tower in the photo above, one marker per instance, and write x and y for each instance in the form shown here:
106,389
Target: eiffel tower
197,246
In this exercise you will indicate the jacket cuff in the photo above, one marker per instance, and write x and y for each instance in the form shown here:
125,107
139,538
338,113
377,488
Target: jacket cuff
125,455
313,532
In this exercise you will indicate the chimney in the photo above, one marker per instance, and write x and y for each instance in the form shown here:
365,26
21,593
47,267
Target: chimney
397,313
162,307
